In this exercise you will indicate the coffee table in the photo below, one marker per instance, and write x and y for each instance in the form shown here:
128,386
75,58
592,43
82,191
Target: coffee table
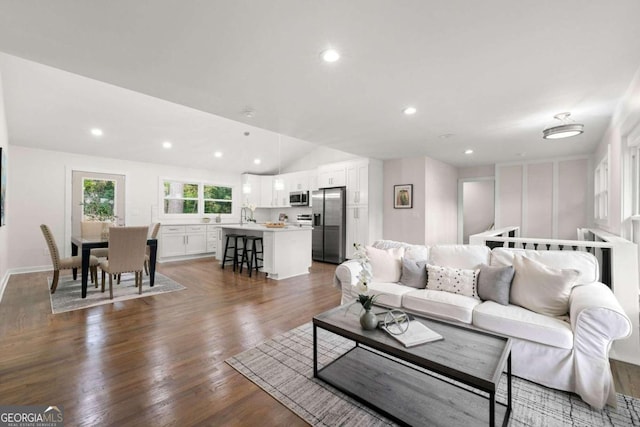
415,386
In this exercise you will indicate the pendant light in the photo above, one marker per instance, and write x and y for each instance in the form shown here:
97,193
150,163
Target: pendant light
278,183
565,129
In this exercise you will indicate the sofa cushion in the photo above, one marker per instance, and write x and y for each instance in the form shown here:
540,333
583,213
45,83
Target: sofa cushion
494,283
385,263
459,256
521,323
389,294
456,280
444,305
414,252
542,289
584,262
414,273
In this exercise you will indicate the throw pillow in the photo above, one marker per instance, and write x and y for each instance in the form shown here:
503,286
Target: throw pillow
542,289
454,280
385,263
414,273
494,283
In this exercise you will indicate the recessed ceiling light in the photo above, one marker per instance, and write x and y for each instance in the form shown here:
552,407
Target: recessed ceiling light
218,154
257,161
330,55
166,144
468,151
410,111
96,132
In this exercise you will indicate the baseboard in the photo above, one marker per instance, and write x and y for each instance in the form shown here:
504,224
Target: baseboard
184,258
3,284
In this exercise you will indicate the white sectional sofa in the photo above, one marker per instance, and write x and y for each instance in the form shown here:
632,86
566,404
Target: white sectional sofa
568,352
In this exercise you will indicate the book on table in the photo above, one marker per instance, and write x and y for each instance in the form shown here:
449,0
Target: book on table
416,334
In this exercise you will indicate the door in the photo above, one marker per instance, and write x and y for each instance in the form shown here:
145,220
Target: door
96,197
477,207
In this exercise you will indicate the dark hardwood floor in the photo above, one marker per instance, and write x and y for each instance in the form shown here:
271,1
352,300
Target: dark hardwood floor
159,360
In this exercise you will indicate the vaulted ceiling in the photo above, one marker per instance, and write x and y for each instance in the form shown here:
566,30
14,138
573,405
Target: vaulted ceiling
487,75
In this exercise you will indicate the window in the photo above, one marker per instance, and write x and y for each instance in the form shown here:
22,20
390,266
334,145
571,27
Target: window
217,199
196,198
180,197
601,190
98,199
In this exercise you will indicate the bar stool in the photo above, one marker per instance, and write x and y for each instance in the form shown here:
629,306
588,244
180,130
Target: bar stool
251,252
237,251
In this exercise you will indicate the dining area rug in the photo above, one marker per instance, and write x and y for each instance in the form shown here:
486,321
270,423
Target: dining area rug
68,296
283,367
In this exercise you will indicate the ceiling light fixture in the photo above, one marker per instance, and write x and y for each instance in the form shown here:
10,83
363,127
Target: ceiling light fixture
565,129
166,145
257,161
96,132
330,55
468,151
218,154
410,111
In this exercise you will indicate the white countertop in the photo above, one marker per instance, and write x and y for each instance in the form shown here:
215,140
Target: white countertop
262,227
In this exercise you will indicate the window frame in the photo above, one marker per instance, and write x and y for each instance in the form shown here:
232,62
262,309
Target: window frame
200,199
205,199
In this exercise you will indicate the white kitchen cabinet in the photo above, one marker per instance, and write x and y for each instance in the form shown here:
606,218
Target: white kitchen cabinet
251,190
214,240
178,240
332,175
266,191
298,181
358,183
280,195
357,223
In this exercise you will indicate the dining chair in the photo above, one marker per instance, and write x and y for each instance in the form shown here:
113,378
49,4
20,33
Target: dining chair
153,235
65,263
126,254
93,229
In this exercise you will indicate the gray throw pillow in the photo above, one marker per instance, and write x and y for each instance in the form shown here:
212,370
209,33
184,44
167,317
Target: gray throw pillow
494,283
414,273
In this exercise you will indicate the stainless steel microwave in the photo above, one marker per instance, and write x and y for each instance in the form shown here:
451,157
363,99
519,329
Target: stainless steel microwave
299,198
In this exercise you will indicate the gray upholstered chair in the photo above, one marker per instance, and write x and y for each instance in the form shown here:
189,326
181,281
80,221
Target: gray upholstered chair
91,229
154,228
126,254
65,263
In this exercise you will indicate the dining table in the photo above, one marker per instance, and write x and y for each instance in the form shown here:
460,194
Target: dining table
85,244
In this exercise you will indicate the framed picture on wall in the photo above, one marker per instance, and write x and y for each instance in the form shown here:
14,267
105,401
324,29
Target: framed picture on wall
403,196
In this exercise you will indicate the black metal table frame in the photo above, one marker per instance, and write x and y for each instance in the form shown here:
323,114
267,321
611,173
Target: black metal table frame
88,244
491,393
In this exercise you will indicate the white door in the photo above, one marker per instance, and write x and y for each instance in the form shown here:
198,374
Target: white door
96,196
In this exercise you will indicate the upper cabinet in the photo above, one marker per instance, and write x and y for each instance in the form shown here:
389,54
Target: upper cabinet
332,175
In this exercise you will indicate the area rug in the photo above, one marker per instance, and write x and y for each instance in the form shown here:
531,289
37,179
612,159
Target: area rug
68,294
283,367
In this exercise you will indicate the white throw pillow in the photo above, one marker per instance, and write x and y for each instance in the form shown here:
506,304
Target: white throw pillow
386,264
454,280
540,288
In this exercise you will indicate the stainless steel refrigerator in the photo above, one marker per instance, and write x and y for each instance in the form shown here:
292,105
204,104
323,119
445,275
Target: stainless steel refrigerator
329,225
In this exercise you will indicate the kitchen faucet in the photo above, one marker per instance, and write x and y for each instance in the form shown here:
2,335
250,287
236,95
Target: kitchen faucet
243,215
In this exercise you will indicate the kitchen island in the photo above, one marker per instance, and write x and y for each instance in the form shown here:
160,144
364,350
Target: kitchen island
287,250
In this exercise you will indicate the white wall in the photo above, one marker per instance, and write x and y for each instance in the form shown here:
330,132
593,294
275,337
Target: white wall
545,198
434,216
441,203
405,225
38,183
477,207
4,231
